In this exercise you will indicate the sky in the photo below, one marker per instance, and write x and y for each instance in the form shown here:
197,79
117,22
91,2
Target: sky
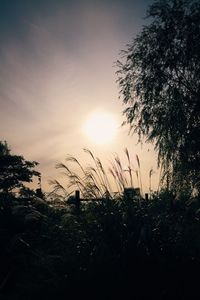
57,70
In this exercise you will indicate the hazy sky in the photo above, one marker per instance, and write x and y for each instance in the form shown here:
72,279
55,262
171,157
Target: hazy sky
57,68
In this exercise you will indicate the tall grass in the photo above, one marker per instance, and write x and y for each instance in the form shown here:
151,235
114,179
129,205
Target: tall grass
94,180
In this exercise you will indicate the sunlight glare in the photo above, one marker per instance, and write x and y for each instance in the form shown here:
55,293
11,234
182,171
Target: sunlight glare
101,127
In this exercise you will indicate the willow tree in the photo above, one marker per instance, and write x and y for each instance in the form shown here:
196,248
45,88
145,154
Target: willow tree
159,80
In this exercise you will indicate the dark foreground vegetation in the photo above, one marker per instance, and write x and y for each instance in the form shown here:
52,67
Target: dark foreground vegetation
130,248
124,247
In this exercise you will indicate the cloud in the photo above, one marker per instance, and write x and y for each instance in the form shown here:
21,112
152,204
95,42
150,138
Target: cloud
57,70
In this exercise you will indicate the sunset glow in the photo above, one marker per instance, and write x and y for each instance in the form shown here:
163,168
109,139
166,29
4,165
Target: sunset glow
101,127
58,83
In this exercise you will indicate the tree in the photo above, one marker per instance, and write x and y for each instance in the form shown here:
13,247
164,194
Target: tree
159,80
14,170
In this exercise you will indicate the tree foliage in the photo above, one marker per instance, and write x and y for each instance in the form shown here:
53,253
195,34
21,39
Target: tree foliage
14,170
159,80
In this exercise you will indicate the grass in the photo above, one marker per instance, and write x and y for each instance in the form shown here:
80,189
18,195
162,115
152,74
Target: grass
95,181
112,248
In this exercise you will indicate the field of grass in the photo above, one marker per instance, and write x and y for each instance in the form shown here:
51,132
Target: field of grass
126,248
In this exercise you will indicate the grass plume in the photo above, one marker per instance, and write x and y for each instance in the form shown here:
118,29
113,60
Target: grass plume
94,181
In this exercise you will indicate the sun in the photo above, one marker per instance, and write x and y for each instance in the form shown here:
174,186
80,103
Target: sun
101,127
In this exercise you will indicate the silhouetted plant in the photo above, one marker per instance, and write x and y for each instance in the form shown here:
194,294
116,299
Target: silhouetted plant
93,181
14,171
159,80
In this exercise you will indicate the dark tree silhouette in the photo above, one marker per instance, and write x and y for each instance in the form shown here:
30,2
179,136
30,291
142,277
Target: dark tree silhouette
159,80
14,170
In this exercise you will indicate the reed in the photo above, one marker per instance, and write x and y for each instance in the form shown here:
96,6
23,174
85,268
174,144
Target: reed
150,176
139,174
94,180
